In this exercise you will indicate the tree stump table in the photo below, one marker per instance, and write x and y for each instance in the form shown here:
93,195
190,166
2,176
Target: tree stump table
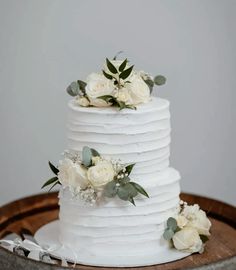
29,214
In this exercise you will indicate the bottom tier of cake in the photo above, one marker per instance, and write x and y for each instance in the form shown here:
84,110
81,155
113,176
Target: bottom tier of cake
115,232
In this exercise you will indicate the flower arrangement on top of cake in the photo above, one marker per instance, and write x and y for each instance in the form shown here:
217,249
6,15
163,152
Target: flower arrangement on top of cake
118,85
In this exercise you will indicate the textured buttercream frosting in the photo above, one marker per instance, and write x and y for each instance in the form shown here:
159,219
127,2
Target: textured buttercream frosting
114,232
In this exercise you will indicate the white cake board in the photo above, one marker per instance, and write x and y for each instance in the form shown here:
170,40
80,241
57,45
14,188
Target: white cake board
48,236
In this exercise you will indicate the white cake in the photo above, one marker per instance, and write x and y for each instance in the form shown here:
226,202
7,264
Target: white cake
114,232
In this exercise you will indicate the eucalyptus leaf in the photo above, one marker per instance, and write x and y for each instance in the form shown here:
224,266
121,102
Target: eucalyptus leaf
131,189
110,189
50,181
172,224
129,168
73,89
168,234
124,180
125,74
86,156
123,65
139,189
123,193
95,153
111,67
108,76
159,80
53,168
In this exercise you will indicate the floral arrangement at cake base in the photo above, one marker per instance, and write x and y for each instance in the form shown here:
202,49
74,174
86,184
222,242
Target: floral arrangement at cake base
190,230
91,177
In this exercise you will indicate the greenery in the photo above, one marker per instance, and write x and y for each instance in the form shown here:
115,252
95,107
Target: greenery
77,88
118,75
204,238
122,187
171,228
116,103
54,180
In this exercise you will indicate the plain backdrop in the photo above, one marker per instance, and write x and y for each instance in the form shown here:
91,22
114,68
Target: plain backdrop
46,44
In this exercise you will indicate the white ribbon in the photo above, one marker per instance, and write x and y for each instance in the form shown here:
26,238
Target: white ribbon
33,248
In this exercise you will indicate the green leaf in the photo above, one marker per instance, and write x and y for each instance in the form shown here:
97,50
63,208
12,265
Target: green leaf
111,67
204,238
86,156
82,85
107,98
150,84
50,181
159,80
108,76
124,180
95,153
131,189
123,193
73,89
121,105
123,65
132,201
56,183
172,224
53,168
110,189
129,168
168,234
140,189
125,74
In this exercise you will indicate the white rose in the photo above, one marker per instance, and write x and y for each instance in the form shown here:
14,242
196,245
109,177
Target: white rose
181,221
138,89
187,240
95,160
82,101
190,211
123,95
98,85
201,223
101,173
72,175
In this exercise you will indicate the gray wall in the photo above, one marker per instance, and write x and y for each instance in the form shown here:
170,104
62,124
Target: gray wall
44,45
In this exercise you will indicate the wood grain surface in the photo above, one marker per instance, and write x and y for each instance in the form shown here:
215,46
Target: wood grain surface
29,214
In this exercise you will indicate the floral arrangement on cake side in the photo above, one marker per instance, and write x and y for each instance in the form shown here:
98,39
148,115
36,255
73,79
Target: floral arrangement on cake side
189,230
92,177
118,85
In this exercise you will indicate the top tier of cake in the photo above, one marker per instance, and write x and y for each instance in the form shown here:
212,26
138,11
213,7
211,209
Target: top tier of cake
134,136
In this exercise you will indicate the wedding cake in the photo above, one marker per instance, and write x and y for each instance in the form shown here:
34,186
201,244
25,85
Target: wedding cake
119,198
